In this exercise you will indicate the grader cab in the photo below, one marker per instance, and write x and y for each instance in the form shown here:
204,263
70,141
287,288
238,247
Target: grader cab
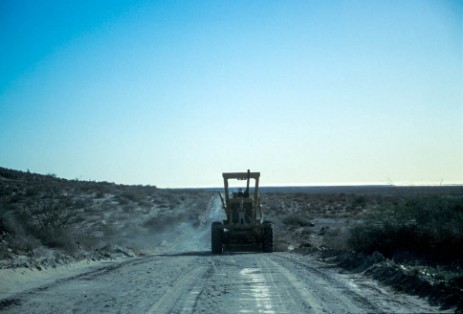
244,226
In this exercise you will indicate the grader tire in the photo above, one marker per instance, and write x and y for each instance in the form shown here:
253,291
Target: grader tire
216,238
267,238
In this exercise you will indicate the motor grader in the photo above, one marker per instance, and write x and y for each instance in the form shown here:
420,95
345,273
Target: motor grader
244,226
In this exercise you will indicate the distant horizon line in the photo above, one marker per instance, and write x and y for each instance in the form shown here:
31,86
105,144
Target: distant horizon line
274,185
298,185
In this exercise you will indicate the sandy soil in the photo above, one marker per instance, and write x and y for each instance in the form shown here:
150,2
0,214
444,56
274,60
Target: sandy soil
181,276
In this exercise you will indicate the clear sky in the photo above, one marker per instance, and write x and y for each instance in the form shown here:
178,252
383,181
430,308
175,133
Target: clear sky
173,93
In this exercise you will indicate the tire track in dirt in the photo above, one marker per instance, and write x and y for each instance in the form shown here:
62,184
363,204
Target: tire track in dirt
347,293
197,282
317,293
243,283
180,296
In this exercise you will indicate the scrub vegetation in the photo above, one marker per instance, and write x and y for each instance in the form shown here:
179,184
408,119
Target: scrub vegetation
421,223
407,237
428,228
48,220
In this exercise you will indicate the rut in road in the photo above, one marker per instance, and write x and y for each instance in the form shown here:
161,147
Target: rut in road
258,283
203,283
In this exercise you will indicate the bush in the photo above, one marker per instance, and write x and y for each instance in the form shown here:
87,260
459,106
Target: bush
4,226
297,220
49,222
163,221
429,227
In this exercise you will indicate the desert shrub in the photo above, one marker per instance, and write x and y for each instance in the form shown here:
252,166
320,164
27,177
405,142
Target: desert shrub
127,208
131,196
62,239
32,191
86,241
14,235
163,204
359,201
335,239
4,226
15,198
82,203
296,219
49,222
99,194
22,242
122,200
427,227
159,222
145,204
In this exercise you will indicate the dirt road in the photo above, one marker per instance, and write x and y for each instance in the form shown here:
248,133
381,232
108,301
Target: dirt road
185,278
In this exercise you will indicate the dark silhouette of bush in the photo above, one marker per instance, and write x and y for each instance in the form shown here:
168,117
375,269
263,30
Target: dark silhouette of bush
296,219
48,222
430,228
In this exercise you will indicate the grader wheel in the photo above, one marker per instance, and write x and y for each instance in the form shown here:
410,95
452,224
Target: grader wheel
216,238
267,238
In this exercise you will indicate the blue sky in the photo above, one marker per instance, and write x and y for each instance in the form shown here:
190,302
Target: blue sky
172,93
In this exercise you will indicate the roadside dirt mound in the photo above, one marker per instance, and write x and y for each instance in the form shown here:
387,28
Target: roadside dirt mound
402,278
52,258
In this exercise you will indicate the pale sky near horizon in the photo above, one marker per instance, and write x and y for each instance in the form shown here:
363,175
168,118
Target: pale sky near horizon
173,93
